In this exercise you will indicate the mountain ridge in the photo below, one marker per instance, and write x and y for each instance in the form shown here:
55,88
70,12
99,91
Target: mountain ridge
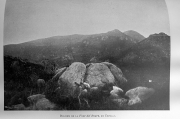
135,35
76,47
153,49
112,32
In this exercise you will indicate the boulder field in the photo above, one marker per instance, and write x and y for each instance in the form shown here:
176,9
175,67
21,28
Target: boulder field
81,86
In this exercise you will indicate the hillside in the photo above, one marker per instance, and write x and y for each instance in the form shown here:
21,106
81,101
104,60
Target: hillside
154,50
63,49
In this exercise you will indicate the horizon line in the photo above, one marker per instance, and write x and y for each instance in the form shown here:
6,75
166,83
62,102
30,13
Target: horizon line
80,34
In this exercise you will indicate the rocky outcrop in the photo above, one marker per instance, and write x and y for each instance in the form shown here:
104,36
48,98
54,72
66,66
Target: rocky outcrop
116,93
68,84
134,101
139,94
16,107
117,73
74,73
98,75
44,104
39,102
34,98
120,102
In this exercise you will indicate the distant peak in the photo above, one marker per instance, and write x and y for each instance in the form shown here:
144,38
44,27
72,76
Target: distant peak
160,34
134,34
130,31
115,31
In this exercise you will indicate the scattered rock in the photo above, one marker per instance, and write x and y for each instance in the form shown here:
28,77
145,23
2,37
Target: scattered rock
44,104
116,93
34,98
135,100
120,102
41,84
19,107
139,94
16,107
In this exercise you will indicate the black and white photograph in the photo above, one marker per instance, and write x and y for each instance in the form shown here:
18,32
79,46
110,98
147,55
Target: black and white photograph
85,55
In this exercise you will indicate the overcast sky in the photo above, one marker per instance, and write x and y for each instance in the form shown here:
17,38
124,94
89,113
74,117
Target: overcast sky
27,20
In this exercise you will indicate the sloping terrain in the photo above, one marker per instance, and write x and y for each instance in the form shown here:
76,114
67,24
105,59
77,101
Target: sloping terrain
72,47
154,50
135,35
20,78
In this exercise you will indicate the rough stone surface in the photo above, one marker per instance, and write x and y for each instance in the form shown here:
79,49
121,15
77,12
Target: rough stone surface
120,102
139,94
74,73
116,92
64,85
98,75
44,104
34,98
117,73
19,107
135,100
